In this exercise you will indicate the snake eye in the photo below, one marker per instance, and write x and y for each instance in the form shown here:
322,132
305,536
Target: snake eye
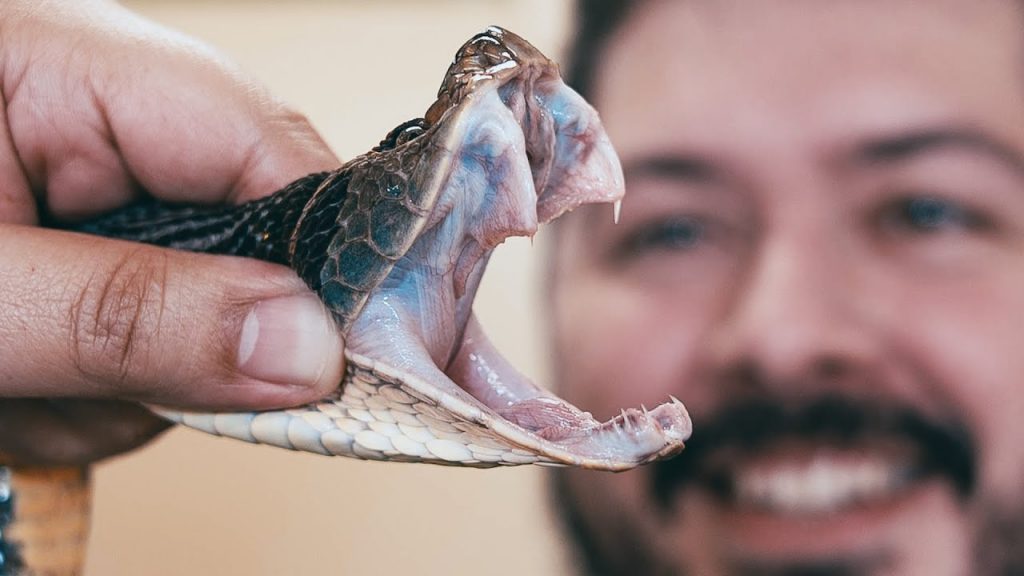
408,134
402,133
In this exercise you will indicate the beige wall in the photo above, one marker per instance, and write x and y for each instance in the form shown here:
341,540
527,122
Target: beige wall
194,504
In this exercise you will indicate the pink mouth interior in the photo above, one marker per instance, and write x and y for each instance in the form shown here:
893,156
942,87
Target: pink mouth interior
485,374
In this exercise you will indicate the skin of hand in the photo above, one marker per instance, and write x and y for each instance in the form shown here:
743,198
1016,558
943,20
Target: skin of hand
100,107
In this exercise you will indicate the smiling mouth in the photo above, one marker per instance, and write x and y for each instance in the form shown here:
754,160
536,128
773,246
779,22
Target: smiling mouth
815,460
814,480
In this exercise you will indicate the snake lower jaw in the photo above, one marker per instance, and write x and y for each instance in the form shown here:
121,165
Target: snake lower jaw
481,401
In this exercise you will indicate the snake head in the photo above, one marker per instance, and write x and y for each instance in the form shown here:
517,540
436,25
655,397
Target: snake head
505,147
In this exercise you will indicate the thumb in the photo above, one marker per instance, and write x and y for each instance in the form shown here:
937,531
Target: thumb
83,316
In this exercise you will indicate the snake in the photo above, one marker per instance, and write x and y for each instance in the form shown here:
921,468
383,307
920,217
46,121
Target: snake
395,243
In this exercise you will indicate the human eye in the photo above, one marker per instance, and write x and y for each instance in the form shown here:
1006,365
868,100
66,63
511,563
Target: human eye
929,215
681,233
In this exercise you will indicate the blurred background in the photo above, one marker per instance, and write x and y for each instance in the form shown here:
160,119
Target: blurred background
195,504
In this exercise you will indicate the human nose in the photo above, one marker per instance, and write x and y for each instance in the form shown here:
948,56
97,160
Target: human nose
797,315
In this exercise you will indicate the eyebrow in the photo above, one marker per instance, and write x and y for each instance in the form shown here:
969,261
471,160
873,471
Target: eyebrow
672,166
906,146
696,169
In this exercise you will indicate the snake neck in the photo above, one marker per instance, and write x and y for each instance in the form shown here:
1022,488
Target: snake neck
261,228
265,228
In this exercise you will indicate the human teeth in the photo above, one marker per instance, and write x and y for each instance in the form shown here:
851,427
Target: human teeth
821,484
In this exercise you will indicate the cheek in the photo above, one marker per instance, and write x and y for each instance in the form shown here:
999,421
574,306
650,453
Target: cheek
970,336
622,346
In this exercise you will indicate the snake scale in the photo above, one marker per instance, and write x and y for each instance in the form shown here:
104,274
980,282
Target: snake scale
395,243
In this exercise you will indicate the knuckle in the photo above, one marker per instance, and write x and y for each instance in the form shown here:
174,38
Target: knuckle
293,125
282,114
116,316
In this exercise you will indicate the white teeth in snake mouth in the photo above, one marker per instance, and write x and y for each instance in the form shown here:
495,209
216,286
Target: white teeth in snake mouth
632,424
616,211
825,483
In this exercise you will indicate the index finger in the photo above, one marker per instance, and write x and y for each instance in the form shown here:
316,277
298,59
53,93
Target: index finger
110,104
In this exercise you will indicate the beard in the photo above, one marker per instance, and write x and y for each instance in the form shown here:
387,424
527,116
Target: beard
999,542
941,449
630,555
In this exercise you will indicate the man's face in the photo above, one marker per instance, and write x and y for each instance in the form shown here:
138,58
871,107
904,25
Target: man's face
821,253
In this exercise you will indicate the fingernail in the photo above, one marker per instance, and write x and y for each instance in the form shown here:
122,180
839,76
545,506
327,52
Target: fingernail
290,340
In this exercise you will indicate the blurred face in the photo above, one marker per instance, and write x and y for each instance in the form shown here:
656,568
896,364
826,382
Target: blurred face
821,253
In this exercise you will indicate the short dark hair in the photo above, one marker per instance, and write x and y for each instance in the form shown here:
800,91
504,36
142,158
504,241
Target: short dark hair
595,22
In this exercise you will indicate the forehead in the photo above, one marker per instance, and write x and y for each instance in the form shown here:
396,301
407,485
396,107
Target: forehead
778,72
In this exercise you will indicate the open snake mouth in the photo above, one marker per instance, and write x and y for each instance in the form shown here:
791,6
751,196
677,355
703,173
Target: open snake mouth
518,149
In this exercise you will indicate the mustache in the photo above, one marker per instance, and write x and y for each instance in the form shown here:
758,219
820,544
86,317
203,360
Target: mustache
943,447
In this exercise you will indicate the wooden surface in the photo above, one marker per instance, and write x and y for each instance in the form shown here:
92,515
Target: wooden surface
50,520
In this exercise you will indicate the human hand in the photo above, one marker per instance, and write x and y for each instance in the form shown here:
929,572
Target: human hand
98,105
